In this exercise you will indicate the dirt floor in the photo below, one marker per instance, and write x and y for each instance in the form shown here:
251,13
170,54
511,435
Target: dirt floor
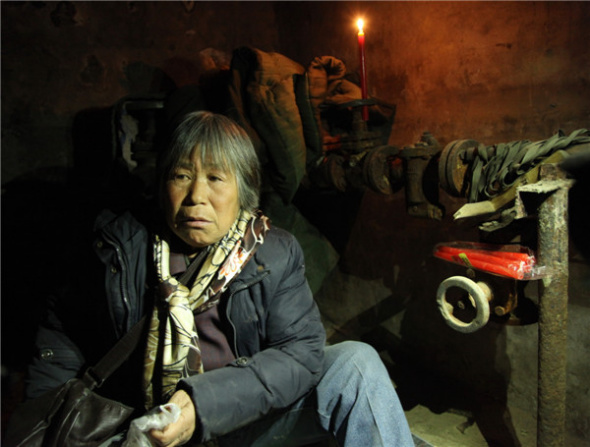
449,429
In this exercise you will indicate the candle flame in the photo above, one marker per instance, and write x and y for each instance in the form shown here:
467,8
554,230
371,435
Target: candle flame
360,23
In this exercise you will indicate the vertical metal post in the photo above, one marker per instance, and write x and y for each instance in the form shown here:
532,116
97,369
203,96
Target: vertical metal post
553,299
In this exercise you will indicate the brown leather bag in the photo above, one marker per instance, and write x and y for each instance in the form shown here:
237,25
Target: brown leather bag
73,415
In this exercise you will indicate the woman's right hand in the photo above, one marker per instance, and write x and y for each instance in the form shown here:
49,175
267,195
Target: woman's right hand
181,431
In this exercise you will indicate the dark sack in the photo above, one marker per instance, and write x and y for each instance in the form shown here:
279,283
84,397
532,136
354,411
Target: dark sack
69,416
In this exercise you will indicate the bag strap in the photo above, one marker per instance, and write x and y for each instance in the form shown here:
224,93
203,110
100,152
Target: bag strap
96,375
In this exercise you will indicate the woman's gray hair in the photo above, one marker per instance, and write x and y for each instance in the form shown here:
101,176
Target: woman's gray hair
218,140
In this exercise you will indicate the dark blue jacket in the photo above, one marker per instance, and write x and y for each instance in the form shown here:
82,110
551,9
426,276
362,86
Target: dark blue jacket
274,327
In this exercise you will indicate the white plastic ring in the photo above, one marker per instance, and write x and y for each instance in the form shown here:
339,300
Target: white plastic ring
479,294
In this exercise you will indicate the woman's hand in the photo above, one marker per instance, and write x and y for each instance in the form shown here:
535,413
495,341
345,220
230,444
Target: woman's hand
179,432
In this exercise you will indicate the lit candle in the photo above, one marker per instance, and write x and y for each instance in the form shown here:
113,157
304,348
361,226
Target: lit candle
363,68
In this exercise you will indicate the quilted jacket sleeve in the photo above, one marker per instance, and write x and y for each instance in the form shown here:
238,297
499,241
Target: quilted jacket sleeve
56,361
280,341
99,299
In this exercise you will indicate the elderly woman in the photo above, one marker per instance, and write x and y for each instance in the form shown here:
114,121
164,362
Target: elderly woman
235,338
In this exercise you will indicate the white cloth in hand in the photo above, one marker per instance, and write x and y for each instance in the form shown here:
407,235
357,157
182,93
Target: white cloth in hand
157,418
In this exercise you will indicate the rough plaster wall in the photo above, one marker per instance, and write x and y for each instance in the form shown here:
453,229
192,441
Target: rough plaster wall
61,58
493,71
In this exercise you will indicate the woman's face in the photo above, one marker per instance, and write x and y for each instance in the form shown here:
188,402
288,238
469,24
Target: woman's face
200,202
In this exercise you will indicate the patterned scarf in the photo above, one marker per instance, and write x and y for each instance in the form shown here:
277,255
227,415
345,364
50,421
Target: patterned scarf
172,336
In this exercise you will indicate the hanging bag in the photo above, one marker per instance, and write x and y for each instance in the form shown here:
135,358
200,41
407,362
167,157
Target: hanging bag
73,415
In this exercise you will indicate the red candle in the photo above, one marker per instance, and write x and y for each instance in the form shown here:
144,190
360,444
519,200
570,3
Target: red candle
511,264
363,68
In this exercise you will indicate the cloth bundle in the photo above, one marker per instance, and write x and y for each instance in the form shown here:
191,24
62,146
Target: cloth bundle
496,168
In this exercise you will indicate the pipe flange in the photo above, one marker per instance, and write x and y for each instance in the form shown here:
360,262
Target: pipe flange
452,168
479,295
377,172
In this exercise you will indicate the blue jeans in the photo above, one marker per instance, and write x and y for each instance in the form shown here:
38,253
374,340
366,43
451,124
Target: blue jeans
354,402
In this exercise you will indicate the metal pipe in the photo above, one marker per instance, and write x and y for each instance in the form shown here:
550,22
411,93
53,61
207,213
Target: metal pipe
553,299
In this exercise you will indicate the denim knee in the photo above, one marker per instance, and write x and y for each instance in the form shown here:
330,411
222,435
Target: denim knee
357,353
357,401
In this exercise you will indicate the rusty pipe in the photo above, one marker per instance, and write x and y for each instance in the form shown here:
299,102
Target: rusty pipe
553,299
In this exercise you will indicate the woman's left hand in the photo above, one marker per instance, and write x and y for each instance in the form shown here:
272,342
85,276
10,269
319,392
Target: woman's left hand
179,432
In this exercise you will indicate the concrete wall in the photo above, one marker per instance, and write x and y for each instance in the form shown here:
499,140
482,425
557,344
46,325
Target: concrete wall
492,71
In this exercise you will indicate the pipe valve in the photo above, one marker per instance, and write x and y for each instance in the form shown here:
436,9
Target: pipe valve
480,296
